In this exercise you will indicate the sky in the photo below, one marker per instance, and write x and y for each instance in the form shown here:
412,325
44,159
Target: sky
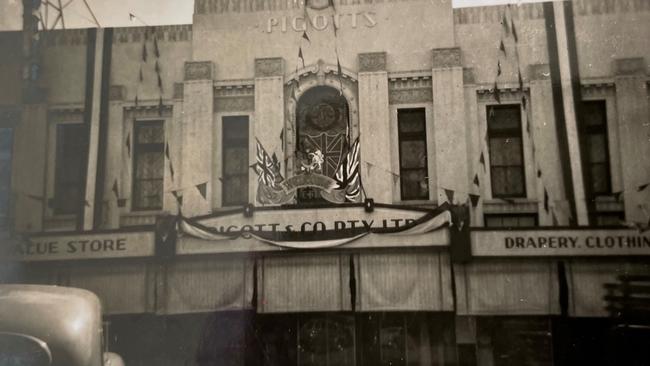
115,13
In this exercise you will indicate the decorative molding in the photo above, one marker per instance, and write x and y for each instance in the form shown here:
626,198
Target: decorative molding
234,104
149,111
518,205
71,113
117,93
535,11
198,70
445,57
539,72
273,66
178,91
507,94
67,37
202,7
407,90
630,66
372,61
468,76
598,90
169,33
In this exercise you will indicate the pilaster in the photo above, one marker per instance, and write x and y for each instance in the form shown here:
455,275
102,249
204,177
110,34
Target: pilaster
449,121
268,123
195,167
114,155
374,127
634,133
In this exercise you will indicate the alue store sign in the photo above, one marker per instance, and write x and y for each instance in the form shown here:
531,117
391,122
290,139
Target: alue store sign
82,245
560,242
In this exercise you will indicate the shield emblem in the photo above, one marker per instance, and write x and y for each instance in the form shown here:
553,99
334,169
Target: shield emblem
331,145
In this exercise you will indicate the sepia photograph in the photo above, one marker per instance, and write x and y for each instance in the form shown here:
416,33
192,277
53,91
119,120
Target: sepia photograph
324,183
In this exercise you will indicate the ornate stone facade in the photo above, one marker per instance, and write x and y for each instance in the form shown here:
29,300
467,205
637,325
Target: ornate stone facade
265,67
198,70
406,90
373,61
234,98
446,57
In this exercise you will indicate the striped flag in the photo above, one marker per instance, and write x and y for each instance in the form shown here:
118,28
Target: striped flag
347,175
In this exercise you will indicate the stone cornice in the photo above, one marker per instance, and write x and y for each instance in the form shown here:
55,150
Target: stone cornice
372,61
445,57
265,67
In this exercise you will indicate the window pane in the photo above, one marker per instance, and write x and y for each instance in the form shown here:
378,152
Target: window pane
515,184
391,340
69,167
594,113
413,154
597,148
235,160
235,165
510,220
504,117
149,165
341,340
414,184
599,174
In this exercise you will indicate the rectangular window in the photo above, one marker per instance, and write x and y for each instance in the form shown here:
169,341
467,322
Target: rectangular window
71,152
235,161
411,127
595,148
6,149
506,151
510,220
148,165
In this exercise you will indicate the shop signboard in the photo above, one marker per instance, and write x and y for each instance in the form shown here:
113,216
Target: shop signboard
560,242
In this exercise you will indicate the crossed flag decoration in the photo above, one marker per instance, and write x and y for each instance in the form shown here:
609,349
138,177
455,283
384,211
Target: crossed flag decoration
347,175
267,167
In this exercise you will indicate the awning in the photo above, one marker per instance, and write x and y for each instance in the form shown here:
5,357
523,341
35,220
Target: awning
207,284
303,283
587,279
398,281
507,287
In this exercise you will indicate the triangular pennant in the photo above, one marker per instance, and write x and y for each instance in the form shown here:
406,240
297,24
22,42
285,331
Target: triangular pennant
338,67
450,195
497,93
555,221
167,150
128,145
202,189
116,192
498,68
520,79
282,136
144,51
502,47
160,106
121,202
474,198
476,181
136,100
617,195
514,31
539,173
131,16
305,36
301,57
481,160
171,169
506,26
157,67
546,200
524,101
156,51
160,82
642,187
141,77
178,197
528,125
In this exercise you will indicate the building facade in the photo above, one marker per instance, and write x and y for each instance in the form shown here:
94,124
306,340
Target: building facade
339,183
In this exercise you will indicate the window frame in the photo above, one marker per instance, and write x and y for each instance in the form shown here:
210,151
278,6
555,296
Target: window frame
602,130
151,147
244,143
511,134
421,136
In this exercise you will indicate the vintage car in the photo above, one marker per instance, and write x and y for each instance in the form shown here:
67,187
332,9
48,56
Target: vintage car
53,326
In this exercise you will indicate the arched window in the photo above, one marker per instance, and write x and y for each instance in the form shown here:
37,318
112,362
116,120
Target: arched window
322,124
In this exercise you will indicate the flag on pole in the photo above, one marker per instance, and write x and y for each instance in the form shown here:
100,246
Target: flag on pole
265,167
347,175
